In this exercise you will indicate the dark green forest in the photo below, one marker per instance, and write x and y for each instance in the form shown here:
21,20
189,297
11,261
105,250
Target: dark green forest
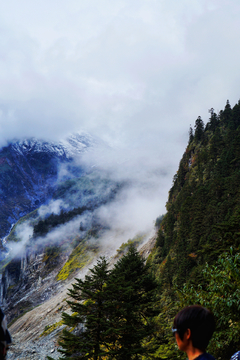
196,257
53,220
113,311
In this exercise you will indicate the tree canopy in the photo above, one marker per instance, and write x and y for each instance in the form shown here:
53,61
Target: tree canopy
111,311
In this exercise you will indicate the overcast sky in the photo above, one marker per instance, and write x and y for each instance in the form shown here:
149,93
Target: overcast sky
137,73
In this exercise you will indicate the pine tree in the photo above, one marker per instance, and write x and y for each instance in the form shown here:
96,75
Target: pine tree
236,115
90,316
226,114
133,289
214,121
111,311
191,135
199,129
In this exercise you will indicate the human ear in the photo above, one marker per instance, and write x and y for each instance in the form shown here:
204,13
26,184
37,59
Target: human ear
188,334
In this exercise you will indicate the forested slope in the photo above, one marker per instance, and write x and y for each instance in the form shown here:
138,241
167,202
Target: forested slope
196,254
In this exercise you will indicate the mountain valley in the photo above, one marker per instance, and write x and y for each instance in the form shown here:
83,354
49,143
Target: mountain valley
192,250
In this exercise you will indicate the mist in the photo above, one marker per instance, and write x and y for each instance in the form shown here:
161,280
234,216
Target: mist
128,72
24,232
132,211
54,207
134,75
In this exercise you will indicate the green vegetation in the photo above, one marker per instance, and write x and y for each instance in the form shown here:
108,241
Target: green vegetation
191,259
89,190
80,257
50,328
136,241
196,260
158,221
44,226
112,311
133,291
220,292
89,308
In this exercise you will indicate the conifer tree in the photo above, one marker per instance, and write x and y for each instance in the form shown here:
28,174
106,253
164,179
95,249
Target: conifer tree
112,311
133,289
199,129
212,125
191,135
227,113
236,115
89,318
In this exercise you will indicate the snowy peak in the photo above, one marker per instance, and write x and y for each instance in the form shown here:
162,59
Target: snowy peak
73,145
29,172
78,143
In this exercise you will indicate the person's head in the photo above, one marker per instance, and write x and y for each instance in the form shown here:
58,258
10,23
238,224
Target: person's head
199,321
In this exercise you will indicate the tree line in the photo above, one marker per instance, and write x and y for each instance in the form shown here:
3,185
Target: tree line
43,226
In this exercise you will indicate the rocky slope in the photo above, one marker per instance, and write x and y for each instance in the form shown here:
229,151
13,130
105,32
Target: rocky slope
44,242
35,334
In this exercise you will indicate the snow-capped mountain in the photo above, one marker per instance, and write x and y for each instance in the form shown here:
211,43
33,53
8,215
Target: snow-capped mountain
73,145
29,171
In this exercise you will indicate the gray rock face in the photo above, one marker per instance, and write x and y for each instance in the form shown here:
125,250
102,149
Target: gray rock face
25,283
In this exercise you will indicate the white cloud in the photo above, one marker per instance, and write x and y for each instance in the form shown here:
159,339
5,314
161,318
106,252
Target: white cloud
135,73
24,232
54,207
116,66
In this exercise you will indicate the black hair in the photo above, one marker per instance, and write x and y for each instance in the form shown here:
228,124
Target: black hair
201,323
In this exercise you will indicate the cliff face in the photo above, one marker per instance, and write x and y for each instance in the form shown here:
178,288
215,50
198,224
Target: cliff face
26,283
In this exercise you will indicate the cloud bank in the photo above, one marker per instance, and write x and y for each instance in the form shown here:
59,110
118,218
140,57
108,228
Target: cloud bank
124,70
136,74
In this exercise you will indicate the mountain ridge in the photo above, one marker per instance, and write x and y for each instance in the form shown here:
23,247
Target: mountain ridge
29,173
196,256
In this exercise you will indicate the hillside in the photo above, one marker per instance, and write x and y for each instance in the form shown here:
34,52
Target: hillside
203,208
194,256
29,171
201,227
35,333
57,244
